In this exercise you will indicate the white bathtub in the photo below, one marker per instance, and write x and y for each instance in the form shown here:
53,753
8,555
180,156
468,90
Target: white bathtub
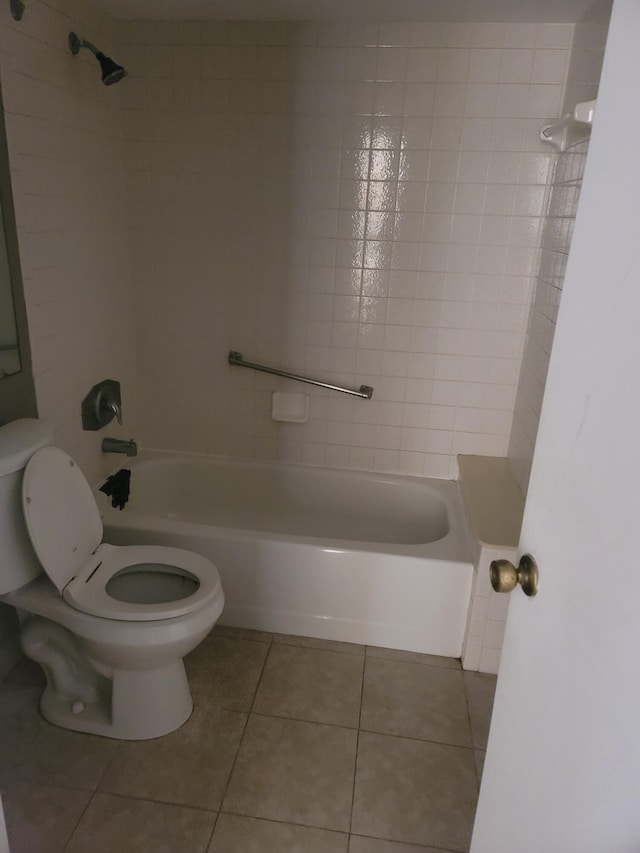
340,555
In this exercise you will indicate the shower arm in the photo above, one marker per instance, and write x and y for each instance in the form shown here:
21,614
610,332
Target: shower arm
94,50
75,43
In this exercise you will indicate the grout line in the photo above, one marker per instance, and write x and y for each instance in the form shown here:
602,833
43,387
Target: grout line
400,659
356,654
410,845
158,802
249,714
344,832
300,720
419,739
215,813
77,824
473,746
207,843
355,766
95,791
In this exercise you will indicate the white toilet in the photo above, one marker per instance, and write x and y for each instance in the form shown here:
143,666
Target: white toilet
109,625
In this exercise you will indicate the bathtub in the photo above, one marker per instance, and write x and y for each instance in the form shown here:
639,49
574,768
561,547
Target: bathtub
339,555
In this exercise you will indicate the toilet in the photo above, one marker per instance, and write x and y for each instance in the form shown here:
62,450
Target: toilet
109,625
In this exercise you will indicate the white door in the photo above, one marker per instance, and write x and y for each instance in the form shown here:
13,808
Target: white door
562,772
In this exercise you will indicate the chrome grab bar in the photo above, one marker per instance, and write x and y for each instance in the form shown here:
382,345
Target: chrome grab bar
365,391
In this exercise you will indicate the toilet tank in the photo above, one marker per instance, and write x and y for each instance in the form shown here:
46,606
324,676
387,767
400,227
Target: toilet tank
19,440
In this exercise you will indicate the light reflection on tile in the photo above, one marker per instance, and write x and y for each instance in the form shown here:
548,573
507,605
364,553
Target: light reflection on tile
377,253
381,195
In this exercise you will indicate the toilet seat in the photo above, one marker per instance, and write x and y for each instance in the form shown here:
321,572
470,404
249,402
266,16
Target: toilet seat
66,530
88,591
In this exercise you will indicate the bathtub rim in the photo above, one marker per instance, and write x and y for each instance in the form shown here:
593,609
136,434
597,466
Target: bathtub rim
456,546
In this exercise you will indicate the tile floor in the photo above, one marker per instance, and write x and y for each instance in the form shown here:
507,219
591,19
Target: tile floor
294,745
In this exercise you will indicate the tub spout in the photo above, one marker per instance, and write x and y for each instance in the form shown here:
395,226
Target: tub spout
117,445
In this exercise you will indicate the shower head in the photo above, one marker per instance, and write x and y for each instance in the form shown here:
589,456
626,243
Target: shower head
111,71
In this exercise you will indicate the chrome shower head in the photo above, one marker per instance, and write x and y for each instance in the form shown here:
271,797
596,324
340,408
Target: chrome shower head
111,71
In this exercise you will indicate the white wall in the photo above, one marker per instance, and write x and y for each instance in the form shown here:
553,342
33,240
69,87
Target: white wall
65,139
361,203
488,610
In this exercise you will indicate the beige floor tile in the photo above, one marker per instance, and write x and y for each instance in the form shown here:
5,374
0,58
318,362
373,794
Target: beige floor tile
413,657
416,701
124,825
33,750
310,684
413,791
190,766
235,834
26,672
359,844
294,772
314,643
292,784
480,689
479,756
226,671
40,817
241,633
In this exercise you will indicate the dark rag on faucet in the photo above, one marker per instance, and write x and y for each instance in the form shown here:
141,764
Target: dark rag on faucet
117,487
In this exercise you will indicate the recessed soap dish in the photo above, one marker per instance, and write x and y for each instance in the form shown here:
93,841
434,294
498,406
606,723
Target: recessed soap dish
293,408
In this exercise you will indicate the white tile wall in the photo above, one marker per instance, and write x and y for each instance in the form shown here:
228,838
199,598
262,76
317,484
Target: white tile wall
65,140
361,203
562,202
488,614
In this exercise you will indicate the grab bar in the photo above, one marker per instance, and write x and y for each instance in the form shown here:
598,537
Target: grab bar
365,391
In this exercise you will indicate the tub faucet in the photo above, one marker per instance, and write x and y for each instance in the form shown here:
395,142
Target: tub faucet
118,445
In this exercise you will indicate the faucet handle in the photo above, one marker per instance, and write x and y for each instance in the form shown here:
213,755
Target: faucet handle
101,404
114,408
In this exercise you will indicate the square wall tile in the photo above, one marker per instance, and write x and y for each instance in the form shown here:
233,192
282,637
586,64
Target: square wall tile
363,118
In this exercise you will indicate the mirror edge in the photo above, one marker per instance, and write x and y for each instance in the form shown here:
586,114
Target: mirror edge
17,391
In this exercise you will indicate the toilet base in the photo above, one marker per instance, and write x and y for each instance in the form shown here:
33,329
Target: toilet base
137,705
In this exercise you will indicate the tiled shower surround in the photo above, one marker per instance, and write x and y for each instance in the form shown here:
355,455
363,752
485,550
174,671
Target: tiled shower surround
66,154
561,208
361,203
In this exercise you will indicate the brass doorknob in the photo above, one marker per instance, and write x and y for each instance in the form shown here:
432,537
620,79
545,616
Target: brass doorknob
505,577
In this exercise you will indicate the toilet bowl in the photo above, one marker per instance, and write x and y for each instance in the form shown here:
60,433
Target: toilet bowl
109,625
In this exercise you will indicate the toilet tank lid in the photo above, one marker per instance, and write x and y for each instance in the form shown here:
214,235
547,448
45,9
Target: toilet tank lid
19,440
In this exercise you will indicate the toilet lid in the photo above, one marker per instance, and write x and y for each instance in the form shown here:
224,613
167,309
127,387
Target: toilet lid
61,514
